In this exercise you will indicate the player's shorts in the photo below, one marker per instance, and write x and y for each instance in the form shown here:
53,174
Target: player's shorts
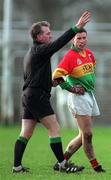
36,104
83,104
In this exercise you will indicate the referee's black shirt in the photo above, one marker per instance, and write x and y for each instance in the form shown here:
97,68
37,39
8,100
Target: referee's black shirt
37,66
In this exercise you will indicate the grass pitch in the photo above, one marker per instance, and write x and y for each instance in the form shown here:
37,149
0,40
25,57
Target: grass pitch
40,159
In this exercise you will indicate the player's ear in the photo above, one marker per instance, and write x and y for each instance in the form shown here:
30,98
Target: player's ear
72,40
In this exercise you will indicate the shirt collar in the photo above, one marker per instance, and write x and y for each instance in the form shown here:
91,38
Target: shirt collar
74,48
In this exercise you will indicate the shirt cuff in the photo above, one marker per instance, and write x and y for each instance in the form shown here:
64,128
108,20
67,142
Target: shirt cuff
65,85
75,29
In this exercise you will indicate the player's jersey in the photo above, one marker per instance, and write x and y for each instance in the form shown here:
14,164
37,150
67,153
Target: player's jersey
78,69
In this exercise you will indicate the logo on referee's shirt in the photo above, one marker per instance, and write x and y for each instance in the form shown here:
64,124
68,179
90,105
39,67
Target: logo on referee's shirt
79,61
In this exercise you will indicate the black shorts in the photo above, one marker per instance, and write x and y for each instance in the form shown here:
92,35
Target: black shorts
36,104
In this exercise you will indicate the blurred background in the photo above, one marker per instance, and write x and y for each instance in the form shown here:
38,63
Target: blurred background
16,17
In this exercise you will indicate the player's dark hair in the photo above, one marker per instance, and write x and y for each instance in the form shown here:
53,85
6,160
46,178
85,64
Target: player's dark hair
82,30
36,28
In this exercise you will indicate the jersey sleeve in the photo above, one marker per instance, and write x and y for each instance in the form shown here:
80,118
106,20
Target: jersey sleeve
63,69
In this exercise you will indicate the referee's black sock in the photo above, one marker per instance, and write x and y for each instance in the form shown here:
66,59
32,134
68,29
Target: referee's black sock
19,149
56,146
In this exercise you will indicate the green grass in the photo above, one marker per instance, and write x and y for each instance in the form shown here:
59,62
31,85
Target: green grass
40,159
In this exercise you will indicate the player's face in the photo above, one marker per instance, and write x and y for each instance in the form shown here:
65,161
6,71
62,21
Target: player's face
80,40
45,36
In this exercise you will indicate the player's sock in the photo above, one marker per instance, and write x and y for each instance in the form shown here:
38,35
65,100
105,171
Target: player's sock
19,149
56,146
94,163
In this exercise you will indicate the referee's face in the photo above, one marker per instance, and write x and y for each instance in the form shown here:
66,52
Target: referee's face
45,36
80,40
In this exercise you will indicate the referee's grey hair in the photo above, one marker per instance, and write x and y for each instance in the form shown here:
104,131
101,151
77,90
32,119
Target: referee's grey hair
36,28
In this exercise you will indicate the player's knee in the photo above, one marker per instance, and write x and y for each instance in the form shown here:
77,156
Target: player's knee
54,130
26,134
88,136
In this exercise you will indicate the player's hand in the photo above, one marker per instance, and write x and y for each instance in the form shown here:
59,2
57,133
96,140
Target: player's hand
86,16
77,89
56,82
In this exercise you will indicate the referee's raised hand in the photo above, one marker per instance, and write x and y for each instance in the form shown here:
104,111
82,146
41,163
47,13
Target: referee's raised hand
85,17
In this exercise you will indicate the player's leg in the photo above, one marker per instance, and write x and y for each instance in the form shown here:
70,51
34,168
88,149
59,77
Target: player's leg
73,146
85,124
27,129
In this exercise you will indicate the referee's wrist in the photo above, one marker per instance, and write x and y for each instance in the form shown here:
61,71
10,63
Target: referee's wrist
75,29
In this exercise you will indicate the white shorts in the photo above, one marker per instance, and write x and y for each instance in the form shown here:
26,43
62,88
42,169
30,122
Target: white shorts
83,104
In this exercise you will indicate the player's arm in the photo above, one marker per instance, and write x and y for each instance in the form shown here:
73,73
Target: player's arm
65,85
58,79
58,76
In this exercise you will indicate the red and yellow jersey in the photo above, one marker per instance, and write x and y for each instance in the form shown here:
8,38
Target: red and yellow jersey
78,68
